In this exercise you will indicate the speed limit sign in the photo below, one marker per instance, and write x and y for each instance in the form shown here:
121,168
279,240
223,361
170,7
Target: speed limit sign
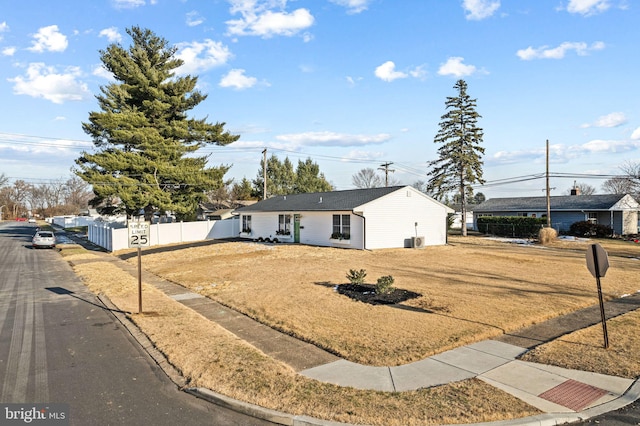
139,234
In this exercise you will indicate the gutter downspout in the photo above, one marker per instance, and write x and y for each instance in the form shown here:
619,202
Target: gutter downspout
364,230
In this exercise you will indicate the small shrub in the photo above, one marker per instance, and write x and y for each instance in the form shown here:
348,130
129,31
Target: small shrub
589,229
384,285
547,235
356,277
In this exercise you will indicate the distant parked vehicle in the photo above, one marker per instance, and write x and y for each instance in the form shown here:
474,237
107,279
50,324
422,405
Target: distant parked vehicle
32,220
44,239
21,219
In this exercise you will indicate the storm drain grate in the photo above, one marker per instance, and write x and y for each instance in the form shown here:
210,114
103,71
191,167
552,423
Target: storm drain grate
573,394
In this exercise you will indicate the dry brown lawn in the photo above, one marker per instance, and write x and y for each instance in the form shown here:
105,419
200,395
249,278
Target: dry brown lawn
209,356
584,349
472,289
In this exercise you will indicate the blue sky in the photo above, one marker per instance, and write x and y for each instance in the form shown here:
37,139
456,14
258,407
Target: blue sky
349,83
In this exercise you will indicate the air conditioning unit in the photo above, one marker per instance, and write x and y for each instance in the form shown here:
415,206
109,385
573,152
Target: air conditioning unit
417,242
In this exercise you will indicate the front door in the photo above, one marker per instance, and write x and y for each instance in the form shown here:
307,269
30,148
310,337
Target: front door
296,228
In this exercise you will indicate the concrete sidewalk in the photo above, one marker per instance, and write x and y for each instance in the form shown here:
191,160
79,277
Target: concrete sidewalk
563,395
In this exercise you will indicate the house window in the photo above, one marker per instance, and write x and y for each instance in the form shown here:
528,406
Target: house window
284,224
341,227
592,217
246,223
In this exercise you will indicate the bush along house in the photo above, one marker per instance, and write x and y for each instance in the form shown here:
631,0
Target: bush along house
374,218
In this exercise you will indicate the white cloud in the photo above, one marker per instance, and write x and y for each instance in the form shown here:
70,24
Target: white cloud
387,72
333,139
101,71
588,7
561,154
353,80
9,51
44,82
455,67
237,80
3,28
363,155
636,134
203,56
353,6
477,10
259,19
49,39
128,4
545,52
600,146
111,34
614,119
32,145
194,19
418,72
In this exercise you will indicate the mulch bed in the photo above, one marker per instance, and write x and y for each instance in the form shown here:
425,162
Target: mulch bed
367,293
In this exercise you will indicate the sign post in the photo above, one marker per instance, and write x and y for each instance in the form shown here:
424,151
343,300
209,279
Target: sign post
139,237
597,264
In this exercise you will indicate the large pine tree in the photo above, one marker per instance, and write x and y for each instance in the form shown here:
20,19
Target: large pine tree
459,162
145,144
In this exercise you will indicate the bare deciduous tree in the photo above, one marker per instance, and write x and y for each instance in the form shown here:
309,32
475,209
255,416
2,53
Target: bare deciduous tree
367,178
619,185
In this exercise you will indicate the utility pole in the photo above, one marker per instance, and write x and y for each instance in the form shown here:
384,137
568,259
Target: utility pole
264,174
548,191
385,167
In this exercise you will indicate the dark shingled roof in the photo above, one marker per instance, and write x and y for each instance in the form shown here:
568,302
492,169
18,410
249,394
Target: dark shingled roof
565,202
319,201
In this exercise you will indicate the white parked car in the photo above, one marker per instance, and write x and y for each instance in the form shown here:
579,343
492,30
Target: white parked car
44,239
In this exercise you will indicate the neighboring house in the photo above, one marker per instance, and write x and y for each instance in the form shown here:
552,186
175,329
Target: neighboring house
220,211
220,214
374,218
457,216
619,211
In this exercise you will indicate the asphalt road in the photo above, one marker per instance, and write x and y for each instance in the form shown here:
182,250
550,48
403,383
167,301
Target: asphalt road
59,344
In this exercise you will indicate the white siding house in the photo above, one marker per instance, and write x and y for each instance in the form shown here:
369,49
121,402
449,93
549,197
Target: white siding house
374,218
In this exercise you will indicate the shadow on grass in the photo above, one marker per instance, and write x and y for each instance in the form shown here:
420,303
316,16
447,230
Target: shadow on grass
164,249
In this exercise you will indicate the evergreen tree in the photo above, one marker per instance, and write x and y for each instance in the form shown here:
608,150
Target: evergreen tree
146,145
242,190
280,177
459,163
309,178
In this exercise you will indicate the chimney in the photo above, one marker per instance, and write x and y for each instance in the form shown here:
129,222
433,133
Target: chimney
575,190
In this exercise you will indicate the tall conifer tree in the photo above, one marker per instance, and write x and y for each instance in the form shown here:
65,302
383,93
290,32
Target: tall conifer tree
459,162
145,144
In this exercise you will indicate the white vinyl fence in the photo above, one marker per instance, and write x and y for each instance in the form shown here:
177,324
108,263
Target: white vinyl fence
114,236
72,221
